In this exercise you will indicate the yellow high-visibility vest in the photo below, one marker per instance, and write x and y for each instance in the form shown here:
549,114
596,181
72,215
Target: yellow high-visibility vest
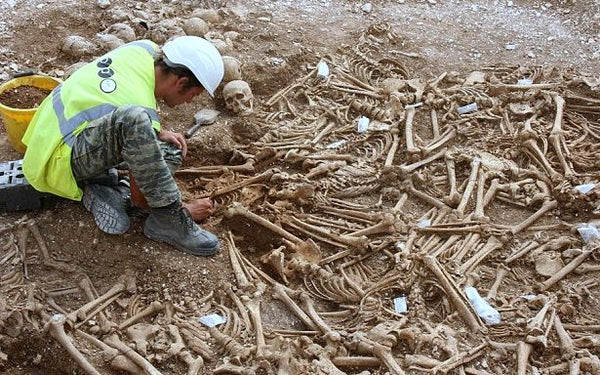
124,76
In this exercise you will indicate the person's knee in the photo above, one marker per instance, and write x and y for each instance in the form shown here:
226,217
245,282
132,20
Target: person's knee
172,155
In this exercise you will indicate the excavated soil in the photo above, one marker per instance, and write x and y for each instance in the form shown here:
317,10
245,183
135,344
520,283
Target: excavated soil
280,42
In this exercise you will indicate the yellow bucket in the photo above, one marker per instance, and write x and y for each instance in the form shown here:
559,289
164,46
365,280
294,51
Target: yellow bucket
16,120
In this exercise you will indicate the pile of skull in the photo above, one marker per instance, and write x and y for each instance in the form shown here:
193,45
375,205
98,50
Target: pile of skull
386,202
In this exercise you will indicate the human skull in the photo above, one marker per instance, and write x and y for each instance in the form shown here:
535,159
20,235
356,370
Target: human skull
238,97
195,26
232,69
78,46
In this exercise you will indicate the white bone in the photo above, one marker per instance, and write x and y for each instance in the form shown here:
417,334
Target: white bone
475,164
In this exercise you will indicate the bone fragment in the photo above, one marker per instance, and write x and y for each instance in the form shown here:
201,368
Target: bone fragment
567,347
178,348
314,316
389,160
556,136
154,308
48,261
140,333
281,294
239,271
113,340
585,268
454,293
500,272
498,89
475,164
570,267
438,142
117,360
229,344
356,361
194,341
459,360
86,285
57,330
386,225
237,209
523,351
546,207
420,361
409,187
492,244
127,283
453,198
249,181
406,169
364,345
479,213
254,310
360,242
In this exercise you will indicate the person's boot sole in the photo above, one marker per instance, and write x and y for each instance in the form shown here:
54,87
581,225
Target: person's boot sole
107,218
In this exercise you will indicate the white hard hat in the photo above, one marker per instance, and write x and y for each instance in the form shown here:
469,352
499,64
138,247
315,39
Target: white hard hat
198,55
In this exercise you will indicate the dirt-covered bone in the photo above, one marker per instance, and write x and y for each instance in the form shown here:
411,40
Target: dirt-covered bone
117,361
154,308
114,341
454,293
140,334
179,349
55,326
126,283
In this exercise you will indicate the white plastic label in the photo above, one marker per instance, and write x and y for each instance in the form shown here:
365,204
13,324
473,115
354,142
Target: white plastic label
322,70
467,108
212,320
363,124
588,232
424,223
400,305
482,307
585,188
524,82
336,144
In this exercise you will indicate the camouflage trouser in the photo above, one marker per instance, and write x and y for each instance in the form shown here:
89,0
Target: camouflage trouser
126,135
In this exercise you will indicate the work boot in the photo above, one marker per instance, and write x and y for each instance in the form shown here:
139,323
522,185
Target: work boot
174,225
109,206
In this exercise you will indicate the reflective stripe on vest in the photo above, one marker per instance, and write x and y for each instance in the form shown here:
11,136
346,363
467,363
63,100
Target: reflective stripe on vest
67,127
144,45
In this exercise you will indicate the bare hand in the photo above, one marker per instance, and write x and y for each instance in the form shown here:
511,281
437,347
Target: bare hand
175,138
200,209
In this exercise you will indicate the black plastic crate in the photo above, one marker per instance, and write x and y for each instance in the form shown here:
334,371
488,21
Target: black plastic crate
15,192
